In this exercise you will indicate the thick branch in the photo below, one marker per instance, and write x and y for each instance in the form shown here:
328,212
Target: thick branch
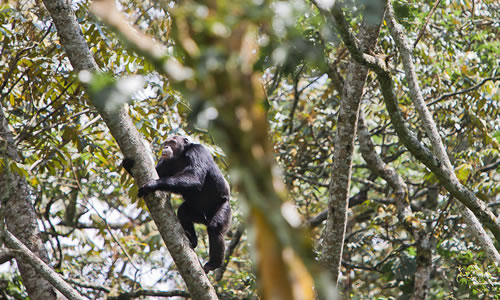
41,267
422,153
131,145
333,241
379,167
405,214
5,255
145,293
20,216
336,16
413,85
429,124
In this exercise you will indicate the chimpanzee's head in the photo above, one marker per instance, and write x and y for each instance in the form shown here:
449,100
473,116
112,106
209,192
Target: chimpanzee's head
174,146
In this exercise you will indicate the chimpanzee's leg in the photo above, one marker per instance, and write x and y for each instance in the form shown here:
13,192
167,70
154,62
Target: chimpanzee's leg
217,228
185,216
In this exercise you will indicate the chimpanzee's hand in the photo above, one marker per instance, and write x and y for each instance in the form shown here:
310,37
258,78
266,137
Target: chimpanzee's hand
147,189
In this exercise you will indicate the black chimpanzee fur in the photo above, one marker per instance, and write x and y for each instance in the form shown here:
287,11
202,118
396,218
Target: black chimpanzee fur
188,169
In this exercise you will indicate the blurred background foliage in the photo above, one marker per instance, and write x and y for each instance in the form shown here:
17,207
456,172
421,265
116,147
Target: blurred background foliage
87,205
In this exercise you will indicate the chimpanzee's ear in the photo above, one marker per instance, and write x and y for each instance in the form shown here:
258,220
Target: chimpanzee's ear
187,141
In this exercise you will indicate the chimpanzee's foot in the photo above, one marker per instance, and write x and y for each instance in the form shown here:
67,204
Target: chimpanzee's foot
209,266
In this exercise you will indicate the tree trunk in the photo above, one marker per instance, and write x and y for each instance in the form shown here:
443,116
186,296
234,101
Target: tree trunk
333,239
20,217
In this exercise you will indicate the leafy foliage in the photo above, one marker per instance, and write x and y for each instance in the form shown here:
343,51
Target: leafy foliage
98,231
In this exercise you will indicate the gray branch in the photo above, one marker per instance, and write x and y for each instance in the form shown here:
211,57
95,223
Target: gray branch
422,153
6,255
131,145
432,131
334,234
20,217
405,213
41,267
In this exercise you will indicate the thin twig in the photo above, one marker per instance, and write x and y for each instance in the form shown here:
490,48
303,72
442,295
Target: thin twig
464,90
421,33
108,228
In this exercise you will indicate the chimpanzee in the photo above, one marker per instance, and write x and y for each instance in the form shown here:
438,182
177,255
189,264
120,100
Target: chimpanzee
188,169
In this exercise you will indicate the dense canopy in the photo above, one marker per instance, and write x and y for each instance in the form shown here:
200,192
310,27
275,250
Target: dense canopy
360,138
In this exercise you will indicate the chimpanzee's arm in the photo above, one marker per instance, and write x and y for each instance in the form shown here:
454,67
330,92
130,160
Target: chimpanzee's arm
187,180
190,179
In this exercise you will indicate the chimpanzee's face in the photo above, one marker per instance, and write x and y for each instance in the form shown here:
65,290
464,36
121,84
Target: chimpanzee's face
173,147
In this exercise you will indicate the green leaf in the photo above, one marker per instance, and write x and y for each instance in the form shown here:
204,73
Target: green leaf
463,172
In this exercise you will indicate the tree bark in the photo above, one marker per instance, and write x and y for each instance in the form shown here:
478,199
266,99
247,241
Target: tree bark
424,155
477,230
131,144
20,216
6,255
333,238
41,267
432,131
416,148
405,214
